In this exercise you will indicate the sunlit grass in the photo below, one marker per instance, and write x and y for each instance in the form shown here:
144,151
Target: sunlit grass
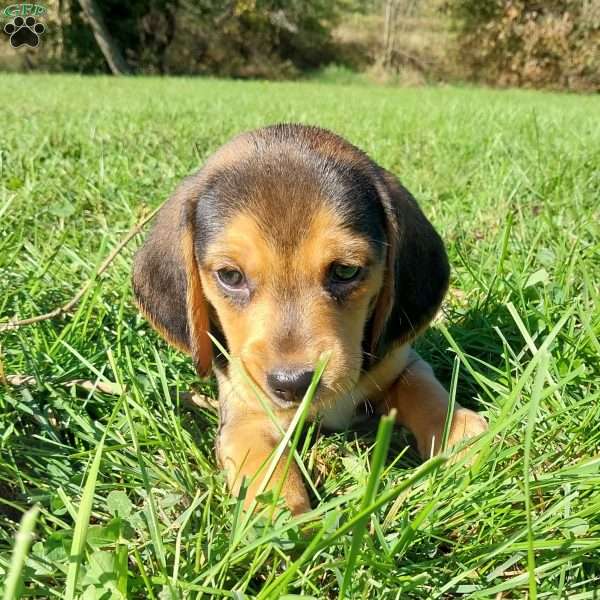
134,505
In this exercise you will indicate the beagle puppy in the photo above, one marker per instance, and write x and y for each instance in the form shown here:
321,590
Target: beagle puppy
288,243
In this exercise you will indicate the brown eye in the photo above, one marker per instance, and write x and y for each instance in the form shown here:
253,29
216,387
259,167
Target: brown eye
231,278
341,273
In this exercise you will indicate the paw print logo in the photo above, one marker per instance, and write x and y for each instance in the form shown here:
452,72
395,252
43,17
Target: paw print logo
24,32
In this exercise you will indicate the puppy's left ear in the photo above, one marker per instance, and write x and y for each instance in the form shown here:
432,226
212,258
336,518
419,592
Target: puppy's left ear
417,270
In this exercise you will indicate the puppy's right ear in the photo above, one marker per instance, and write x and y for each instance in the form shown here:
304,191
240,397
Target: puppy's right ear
166,280
417,269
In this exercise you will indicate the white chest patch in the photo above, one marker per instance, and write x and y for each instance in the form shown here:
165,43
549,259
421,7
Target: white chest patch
340,412
339,415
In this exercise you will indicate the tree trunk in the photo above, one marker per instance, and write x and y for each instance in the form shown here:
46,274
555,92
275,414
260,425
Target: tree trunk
105,41
389,31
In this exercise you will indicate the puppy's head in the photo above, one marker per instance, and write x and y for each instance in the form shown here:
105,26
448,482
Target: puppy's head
291,242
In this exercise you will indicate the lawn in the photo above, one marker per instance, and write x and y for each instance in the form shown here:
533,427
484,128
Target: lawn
130,502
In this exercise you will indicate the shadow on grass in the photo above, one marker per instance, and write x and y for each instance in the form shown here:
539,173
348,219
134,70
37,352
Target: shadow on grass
476,333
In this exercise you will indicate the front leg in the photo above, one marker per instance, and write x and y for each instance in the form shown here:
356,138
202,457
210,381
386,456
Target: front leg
421,403
245,448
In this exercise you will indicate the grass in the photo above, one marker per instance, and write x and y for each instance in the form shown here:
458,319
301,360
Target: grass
130,501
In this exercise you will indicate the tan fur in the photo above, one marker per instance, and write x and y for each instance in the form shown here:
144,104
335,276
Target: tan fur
201,345
422,404
255,334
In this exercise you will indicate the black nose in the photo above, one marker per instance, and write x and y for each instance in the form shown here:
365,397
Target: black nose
288,384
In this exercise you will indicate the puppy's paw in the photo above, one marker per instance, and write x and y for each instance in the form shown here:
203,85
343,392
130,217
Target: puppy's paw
296,500
299,503
465,424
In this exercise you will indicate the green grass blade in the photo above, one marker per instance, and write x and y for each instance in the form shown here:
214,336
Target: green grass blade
153,525
409,532
85,510
382,444
541,375
23,540
451,404
273,590
184,521
82,522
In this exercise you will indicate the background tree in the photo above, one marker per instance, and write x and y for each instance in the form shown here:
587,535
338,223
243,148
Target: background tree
551,44
555,43
106,43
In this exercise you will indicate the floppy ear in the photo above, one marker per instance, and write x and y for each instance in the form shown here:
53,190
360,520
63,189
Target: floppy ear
417,270
166,281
